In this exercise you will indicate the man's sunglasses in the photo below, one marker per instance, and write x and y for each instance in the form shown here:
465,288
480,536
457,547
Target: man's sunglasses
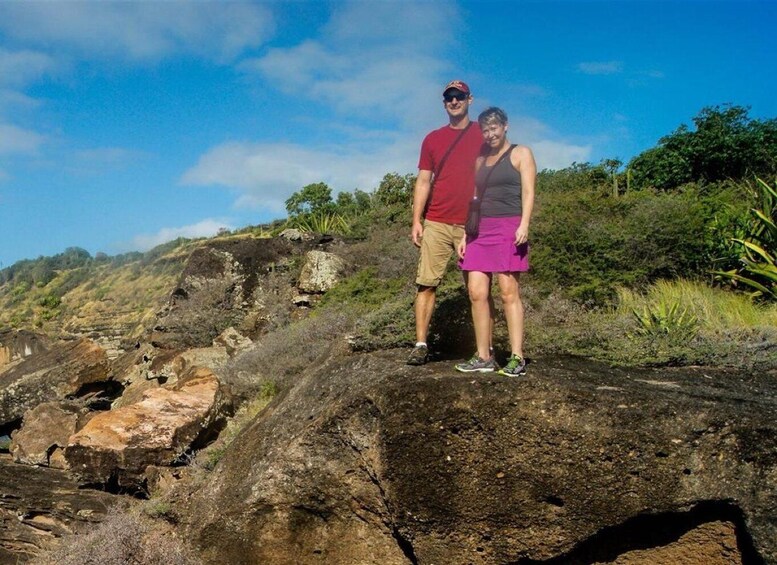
460,96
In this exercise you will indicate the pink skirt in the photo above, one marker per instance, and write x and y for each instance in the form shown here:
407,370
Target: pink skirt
494,249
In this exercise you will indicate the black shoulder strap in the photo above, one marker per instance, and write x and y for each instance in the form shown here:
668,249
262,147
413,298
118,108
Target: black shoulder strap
488,176
448,152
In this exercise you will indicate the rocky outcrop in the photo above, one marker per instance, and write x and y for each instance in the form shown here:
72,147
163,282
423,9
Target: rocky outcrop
39,505
321,271
59,372
245,283
45,433
18,345
370,461
115,447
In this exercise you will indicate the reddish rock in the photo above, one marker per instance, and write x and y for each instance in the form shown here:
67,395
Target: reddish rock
45,432
119,444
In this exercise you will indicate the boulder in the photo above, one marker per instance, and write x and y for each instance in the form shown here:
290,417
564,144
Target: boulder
63,370
45,432
221,286
370,461
233,341
321,271
293,234
39,505
114,448
153,368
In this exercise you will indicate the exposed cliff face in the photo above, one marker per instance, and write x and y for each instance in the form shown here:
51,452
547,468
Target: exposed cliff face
368,461
58,372
16,346
250,284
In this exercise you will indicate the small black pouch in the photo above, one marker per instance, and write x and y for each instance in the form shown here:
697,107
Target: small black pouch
473,218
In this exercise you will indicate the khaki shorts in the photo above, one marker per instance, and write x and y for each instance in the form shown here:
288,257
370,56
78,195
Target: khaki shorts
437,245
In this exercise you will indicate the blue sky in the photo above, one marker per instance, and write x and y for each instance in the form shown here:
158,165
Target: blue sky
126,124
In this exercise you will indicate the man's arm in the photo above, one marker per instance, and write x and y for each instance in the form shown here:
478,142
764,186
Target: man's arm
423,186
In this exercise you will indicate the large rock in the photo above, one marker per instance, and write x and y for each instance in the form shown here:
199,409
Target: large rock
151,368
45,432
222,285
370,461
117,446
65,369
39,505
322,270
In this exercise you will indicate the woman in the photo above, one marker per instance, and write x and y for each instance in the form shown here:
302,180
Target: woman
505,178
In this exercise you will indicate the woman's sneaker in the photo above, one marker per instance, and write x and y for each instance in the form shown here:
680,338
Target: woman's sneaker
516,366
477,365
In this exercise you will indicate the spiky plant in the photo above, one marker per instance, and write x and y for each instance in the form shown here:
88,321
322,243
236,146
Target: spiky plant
758,249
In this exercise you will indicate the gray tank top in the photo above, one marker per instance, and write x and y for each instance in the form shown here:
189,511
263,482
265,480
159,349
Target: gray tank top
503,196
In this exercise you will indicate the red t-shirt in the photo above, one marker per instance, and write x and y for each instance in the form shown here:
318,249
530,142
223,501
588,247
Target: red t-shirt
455,186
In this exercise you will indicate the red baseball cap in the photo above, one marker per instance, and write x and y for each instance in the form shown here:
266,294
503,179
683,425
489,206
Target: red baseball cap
458,85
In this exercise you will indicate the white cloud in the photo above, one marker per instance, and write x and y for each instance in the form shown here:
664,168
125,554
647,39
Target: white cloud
19,68
267,174
557,155
205,228
376,59
140,30
17,140
14,99
600,67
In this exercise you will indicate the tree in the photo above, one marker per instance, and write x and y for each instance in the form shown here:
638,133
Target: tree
726,144
316,197
396,189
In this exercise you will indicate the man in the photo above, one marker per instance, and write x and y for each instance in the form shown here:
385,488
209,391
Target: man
445,185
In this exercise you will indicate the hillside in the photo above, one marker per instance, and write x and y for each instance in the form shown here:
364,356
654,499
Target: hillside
246,395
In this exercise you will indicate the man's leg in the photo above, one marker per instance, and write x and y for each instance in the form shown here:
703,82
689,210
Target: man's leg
424,306
436,249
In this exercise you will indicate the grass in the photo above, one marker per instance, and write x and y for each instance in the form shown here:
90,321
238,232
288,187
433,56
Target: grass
692,324
716,309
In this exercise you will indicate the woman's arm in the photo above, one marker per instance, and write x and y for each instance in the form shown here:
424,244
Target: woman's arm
522,160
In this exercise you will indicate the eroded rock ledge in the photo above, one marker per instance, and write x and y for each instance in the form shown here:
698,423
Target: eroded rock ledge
371,461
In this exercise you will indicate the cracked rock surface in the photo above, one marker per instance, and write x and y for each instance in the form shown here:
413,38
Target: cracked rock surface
367,460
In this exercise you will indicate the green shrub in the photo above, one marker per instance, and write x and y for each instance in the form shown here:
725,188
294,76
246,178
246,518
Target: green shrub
666,320
586,243
365,290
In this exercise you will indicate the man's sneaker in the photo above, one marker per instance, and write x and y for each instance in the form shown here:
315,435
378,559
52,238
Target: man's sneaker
477,365
516,366
419,355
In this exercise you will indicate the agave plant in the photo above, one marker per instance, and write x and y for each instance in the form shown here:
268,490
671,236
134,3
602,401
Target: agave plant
323,222
668,320
758,259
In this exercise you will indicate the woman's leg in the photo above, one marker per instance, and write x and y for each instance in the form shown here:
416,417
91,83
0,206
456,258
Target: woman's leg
491,311
479,288
510,289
